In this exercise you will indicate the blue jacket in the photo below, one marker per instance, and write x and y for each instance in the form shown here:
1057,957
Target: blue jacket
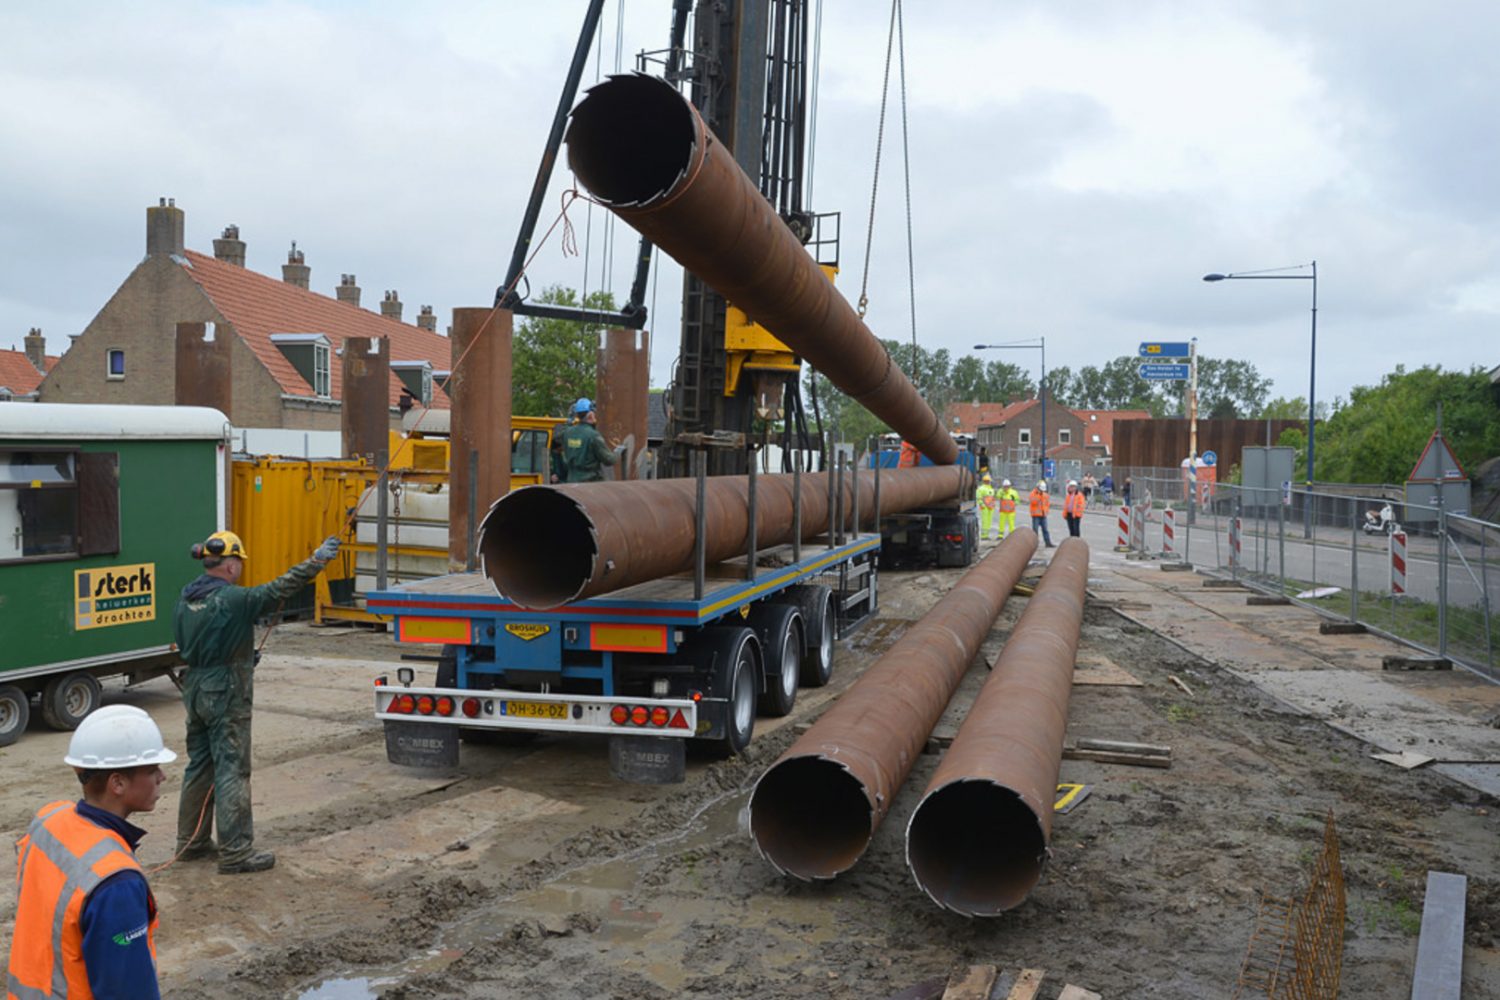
114,920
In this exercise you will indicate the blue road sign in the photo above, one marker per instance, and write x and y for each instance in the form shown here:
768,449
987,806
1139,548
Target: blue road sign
1049,468
1163,373
1176,350
1209,458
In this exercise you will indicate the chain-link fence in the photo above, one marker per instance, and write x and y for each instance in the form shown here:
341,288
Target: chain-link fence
1435,584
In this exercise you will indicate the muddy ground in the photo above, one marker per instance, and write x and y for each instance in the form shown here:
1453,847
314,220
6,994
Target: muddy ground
530,872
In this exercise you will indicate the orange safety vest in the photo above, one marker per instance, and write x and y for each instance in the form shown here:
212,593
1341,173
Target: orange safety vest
1040,503
1073,504
62,859
909,456
1008,500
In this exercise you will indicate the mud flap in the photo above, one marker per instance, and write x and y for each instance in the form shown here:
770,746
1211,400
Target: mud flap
421,744
648,760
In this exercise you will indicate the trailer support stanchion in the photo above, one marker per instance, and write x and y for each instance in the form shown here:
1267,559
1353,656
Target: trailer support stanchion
751,556
700,541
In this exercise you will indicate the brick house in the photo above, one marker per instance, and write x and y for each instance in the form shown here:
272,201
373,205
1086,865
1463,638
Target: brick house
21,372
285,338
1013,432
1099,431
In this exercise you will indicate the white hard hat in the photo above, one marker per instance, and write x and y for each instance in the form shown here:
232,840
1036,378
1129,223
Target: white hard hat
1005,482
1072,482
117,736
1042,486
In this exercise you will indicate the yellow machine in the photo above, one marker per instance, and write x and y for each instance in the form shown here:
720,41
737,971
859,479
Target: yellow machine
748,346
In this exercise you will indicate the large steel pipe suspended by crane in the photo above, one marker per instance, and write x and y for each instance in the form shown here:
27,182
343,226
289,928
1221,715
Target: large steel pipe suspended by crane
978,839
543,546
812,814
643,151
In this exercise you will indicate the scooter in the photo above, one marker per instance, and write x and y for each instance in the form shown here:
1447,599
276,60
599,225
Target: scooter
1382,522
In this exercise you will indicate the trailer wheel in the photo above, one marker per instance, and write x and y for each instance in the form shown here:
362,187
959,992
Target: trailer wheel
737,646
780,629
67,699
15,712
817,618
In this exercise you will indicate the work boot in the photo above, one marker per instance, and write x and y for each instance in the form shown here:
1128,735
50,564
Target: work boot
197,852
258,862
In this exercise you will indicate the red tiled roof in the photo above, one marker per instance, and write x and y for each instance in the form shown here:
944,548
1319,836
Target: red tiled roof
972,416
258,306
1102,423
18,374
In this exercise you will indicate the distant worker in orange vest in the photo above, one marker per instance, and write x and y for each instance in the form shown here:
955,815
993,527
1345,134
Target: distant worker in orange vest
909,456
85,917
1041,502
985,498
1008,500
1073,505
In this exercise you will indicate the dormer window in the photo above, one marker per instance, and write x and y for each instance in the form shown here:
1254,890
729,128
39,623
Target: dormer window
311,355
416,376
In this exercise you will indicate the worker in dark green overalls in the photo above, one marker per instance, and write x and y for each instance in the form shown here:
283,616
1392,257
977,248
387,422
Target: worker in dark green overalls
584,448
215,630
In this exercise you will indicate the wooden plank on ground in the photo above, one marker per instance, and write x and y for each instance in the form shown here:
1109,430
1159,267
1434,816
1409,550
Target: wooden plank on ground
1122,746
1071,992
971,984
1027,984
1107,757
1440,948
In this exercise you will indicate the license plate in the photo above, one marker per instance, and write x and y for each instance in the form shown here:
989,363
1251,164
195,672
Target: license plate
535,709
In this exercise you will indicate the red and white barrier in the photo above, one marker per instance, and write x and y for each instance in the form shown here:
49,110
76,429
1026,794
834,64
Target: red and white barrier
1235,527
1169,532
1122,537
1398,563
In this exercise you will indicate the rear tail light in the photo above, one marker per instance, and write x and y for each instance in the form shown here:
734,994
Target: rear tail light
639,715
471,707
444,705
619,715
659,716
403,703
424,705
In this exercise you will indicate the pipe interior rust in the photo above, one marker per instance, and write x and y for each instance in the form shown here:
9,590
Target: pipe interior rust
543,546
812,814
641,149
977,841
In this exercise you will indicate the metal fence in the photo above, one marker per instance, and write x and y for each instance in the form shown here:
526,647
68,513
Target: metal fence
1435,585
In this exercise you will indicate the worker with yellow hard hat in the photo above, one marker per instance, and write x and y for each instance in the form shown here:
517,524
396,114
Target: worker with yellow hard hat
984,496
214,625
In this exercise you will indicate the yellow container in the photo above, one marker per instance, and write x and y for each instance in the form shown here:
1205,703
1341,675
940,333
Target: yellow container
283,508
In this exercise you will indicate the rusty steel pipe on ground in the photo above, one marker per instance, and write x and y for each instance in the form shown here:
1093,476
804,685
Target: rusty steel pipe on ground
543,546
643,151
813,812
978,839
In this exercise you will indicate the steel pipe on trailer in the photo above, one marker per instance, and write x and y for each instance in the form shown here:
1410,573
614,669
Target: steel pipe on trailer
643,151
813,812
543,546
978,839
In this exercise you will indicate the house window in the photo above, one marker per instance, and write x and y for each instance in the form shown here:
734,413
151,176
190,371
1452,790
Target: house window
1065,436
1096,439
320,381
310,354
416,377
1023,435
114,366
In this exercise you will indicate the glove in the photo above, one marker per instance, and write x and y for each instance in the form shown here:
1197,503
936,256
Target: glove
326,552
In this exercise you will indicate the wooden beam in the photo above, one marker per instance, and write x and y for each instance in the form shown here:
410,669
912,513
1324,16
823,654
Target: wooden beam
1071,992
1027,984
973,983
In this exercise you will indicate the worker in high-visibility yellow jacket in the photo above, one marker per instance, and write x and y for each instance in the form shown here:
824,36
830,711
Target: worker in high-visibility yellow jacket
985,498
1007,500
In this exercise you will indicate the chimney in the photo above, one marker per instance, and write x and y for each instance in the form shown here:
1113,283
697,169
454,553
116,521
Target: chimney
348,291
230,248
427,319
164,229
36,349
294,272
390,307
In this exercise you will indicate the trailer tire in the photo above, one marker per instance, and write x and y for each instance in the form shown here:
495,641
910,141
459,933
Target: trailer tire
741,659
15,712
67,699
818,628
780,629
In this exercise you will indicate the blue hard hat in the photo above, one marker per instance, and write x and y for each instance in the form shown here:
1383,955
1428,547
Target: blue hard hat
583,405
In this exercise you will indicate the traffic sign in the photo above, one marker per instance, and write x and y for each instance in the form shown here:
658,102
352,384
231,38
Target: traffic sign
1181,349
1049,468
1209,458
1163,373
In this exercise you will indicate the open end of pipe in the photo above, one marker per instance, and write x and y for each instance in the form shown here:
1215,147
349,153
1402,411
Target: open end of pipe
537,547
810,817
975,847
630,139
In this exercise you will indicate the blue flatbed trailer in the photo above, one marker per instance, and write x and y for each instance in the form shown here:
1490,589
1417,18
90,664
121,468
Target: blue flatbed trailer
669,660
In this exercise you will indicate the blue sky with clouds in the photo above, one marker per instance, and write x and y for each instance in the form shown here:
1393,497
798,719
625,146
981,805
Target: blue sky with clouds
1076,168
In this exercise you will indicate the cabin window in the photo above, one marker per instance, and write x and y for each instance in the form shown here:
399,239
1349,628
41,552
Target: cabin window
38,504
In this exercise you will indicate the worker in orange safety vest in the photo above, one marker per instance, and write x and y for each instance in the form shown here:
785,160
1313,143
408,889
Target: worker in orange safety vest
1008,500
909,457
85,918
1041,502
1073,505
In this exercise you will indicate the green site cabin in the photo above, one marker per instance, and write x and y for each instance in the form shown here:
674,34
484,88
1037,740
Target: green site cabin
99,507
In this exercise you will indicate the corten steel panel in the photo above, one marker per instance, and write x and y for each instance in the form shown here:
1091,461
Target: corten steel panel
480,422
204,372
623,380
977,840
813,812
364,415
643,151
1164,443
543,546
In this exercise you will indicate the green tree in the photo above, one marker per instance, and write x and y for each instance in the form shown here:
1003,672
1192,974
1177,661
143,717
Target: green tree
1005,381
1118,386
1377,436
968,380
1229,387
1282,408
555,361
1060,387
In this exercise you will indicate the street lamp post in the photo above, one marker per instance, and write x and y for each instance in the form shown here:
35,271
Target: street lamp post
1027,345
1312,369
